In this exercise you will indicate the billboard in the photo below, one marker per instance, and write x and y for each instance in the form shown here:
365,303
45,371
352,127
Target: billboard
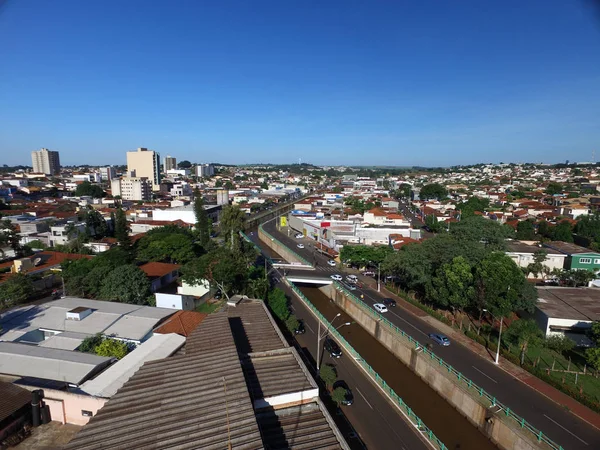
283,221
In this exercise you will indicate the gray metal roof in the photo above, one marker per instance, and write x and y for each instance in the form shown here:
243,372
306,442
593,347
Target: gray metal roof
121,320
253,327
112,379
69,340
48,363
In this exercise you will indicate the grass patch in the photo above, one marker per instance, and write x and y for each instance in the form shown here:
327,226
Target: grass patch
210,307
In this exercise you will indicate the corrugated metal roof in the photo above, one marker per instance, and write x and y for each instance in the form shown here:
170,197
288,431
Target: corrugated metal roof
252,327
112,379
48,363
13,398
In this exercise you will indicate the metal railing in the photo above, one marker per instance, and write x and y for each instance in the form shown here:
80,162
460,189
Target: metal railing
256,247
463,381
408,412
293,253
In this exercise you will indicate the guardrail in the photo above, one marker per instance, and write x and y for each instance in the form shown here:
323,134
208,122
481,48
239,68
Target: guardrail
273,238
409,413
256,247
462,380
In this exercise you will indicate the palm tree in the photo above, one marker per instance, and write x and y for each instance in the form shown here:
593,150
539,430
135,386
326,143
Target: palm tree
524,332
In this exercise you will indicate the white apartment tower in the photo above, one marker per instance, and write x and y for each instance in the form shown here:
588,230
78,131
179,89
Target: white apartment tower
45,161
107,173
132,188
170,163
205,170
146,164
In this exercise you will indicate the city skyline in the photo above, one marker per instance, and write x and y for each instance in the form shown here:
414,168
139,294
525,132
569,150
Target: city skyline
362,84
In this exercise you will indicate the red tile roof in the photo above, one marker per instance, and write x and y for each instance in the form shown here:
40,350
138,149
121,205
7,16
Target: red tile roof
158,269
182,322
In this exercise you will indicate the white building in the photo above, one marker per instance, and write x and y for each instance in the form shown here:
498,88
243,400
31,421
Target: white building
379,217
59,234
182,189
522,253
107,173
132,188
205,170
45,161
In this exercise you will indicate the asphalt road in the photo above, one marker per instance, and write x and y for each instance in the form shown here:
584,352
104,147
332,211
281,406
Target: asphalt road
378,423
557,423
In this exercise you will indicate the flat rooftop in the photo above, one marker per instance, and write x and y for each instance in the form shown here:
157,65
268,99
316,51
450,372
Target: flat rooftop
567,248
522,247
569,303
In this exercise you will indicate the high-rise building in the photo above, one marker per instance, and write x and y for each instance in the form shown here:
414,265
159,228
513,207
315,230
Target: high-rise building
45,161
170,163
107,173
205,170
132,188
146,164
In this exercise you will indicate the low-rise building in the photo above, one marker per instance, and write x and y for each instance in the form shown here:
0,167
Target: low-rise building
132,188
523,253
577,257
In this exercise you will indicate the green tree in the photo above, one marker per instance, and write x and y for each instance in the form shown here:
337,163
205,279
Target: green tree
15,290
468,208
122,229
89,190
90,343
537,266
544,229
488,232
524,332
560,344
364,254
9,237
232,221
95,224
203,223
592,357
176,248
278,302
588,226
432,222
127,284
433,191
292,323
554,188
339,395
575,277
36,243
112,348
453,285
328,374
257,288
185,164
526,230
563,232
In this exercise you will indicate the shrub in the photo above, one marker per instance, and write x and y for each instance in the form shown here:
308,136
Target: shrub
328,374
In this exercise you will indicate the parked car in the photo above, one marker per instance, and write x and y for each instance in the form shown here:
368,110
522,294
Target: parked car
440,339
218,295
332,348
336,277
352,287
368,273
299,236
389,302
300,245
380,307
331,262
349,398
300,329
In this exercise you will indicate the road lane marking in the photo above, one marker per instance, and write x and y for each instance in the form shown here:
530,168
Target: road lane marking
364,398
572,434
410,324
484,374
308,326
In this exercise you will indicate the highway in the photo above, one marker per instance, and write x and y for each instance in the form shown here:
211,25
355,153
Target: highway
557,423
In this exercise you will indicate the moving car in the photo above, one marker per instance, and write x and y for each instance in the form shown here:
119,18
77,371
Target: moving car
380,307
336,277
389,302
300,245
349,398
300,329
352,278
440,339
352,287
332,348
299,236
331,262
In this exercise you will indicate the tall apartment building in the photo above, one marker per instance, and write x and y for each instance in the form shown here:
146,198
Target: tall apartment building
170,163
205,170
146,164
45,161
107,173
132,188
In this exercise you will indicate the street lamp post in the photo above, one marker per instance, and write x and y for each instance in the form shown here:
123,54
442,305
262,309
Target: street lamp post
497,360
320,337
379,277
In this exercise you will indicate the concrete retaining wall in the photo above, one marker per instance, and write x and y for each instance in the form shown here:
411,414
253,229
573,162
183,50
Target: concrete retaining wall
278,248
503,431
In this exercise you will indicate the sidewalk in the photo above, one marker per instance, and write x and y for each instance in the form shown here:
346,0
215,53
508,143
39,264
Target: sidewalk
581,411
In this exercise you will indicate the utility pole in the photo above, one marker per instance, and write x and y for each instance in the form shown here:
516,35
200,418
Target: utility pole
499,341
379,277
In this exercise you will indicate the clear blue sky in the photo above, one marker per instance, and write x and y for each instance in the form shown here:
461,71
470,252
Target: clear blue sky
331,82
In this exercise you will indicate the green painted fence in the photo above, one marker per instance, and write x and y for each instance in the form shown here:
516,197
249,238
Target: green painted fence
414,419
296,255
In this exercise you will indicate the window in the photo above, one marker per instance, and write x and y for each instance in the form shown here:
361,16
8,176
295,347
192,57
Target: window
597,261
86,413
585,260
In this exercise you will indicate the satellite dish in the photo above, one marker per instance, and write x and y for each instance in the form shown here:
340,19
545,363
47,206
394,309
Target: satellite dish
36,261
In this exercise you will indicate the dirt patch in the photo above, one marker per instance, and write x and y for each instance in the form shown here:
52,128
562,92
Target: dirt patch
52,436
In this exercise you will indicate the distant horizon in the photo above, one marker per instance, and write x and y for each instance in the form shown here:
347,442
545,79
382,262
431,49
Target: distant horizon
344,83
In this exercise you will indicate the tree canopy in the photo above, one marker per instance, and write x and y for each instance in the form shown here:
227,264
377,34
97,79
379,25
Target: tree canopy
526,230
479,229
468,208
171,243
203,223
364,255
88,189
15,290
127,284
433,191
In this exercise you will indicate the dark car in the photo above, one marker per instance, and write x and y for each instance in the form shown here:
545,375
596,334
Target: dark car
300,329
349,399
333,349
218,295
389,302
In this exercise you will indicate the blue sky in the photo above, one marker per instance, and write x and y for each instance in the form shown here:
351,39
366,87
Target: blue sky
331,82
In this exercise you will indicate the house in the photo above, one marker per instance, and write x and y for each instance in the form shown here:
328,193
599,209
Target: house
522,253
160,274
182,323
577,257
15,409
390,203
567,312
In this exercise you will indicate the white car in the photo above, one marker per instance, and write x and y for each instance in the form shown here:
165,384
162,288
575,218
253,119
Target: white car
300,245
336,277
299,236
331,262
352,279
380,307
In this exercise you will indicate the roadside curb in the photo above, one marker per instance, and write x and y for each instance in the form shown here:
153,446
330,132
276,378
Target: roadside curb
528,379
